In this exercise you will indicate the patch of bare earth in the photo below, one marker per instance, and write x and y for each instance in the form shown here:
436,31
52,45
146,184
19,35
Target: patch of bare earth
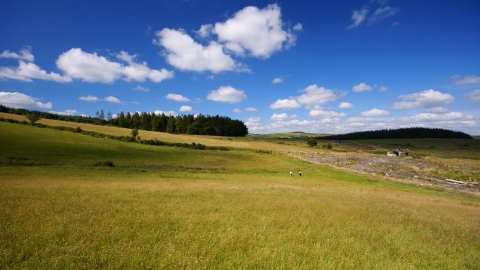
404,169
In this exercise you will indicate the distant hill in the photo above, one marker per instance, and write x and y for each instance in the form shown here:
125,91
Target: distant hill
401,133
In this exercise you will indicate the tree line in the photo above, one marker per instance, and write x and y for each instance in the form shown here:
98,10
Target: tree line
179,124
401,133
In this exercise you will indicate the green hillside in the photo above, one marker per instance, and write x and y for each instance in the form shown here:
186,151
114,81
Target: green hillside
63,206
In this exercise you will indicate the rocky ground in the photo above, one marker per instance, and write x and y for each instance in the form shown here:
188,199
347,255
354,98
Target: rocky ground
405,169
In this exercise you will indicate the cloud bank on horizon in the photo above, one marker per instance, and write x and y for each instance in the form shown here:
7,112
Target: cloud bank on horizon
385,68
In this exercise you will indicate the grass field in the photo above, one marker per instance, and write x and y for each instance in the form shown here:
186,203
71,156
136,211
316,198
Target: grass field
175,208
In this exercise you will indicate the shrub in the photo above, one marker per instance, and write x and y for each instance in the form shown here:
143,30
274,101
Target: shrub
312,142
104,164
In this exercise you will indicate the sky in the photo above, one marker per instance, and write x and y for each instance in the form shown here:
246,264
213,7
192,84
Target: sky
333,66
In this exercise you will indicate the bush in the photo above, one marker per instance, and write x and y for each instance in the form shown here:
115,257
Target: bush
104,164
312,142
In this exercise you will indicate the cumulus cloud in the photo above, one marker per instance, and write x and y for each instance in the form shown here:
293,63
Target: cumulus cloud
185,109
358,16
250,109
375,112
277,80
472,97
140,88
89,98
428,117
325,114
93,68
66,112
167,113
382,13
24,54
362,87
227,94
282,117
423,99
298,27
345,105
184,53
256,31
253,122
19,100
382,89
237,110
439,110
314,95
285,104
110,99
27,71
205,30
177,97
470,79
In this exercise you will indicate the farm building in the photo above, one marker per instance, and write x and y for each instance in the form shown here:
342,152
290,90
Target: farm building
399,152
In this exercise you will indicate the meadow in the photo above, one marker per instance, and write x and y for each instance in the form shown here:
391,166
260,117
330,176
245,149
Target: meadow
163,207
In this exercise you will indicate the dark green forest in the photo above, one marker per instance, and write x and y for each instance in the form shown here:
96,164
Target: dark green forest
401,133
180,124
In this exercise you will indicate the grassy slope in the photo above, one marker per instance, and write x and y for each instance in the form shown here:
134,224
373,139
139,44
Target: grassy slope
167,207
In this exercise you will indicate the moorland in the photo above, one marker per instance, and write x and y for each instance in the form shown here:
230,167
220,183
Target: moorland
71,200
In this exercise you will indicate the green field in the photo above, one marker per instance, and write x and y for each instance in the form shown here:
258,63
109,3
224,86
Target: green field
164,207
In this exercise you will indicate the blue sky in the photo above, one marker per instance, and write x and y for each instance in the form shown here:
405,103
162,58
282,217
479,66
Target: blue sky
313,66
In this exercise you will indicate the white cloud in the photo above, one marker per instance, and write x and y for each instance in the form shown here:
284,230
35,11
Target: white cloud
66,112
325,114
345,105
25,54
382,13
383,89
439,110
184,53
237,110
257,31
253,122
472,97
205,30
470,79
168,113
277,80
375,112
140,88
358,16
423,99
93,68
428,117
298,27
362,87
89,98
110,99
359,120
250,109
185,109
28,71
177,97
282,117
285,104
227,94
19,100
314,96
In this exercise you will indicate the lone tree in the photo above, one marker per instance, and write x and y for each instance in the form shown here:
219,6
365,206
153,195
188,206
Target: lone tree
134,133
32,118
312,142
